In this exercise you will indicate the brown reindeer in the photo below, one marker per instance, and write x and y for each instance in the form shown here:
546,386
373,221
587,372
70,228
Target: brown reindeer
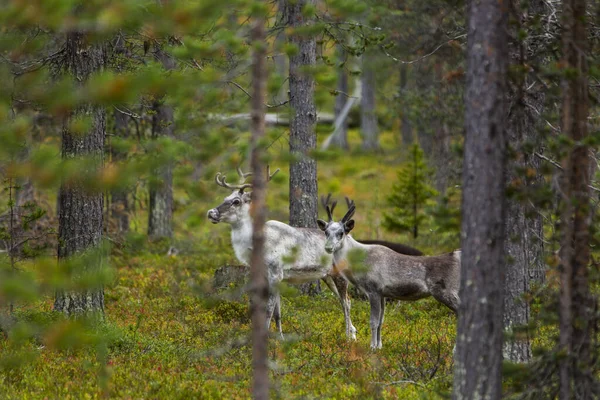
383,273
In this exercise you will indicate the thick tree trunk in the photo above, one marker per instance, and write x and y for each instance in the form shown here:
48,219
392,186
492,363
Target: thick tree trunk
341,139
368,116
479,335
81,209
406,127
258,269
120,201
576,302
160,213
303,137
525,265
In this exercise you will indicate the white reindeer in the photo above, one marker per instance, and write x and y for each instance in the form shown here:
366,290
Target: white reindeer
293,255
383,273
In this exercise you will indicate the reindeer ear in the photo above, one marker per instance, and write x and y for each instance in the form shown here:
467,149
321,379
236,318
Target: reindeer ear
348,226
322,224
247,197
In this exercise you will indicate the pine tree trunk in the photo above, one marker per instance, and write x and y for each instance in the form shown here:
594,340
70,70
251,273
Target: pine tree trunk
478,362
280,58
525,265
368,116
258,269
303,137
341,139
424,84
441,157
81,209
406,128
160,213
576,303
120,202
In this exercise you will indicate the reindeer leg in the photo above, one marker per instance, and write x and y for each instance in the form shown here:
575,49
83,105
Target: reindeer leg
381,314
339,286
271,305
447,298
375,302
277,315
346,299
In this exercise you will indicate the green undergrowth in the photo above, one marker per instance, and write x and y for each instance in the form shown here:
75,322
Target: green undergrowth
166,336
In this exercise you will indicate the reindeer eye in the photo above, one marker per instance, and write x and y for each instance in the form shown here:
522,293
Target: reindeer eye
236,202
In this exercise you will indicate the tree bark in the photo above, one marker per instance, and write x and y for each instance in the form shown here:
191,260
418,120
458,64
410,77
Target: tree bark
341,139
406,127
478,361
524,247
81,209
368,116
120,201
576,302
258,269
303,137
280,58
441,156
424,83
160,213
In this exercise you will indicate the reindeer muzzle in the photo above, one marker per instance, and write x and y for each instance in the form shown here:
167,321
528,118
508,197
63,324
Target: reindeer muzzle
214,216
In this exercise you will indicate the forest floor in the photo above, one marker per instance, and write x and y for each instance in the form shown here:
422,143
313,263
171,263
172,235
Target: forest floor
169,335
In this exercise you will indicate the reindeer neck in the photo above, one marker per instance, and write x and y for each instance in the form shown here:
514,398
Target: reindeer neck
241,239
349,244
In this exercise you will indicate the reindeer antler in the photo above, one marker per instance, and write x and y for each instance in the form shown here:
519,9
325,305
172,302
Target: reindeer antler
350,212
221,180
328,208
349,202
269,174
242,175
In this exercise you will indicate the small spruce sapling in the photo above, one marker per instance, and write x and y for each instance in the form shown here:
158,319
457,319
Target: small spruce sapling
409,195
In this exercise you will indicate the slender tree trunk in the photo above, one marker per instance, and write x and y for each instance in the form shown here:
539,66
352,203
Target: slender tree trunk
341,139
424,83
280,58
406,128
120,201
258,269
81,209
160,213
576,303
478,361
303,137
24,194
368,116
441,157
